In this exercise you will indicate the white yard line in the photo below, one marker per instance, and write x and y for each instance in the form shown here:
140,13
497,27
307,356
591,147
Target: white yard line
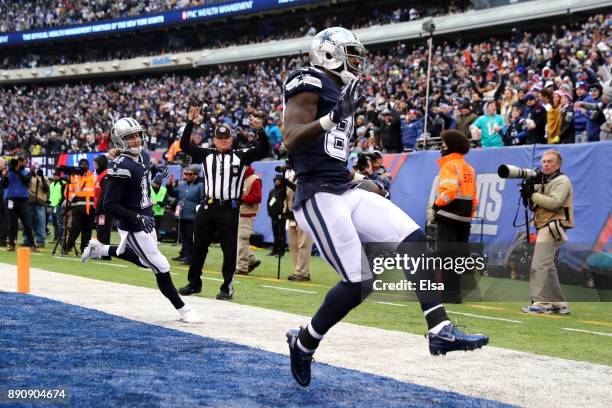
588,331
287,289
110,264
386,303
66,259
492,373
484,317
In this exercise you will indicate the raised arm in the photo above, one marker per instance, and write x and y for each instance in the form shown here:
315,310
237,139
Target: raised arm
197,153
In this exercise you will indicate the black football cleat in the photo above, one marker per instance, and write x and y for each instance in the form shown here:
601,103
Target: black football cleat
188,290
451,338
225,295
300,360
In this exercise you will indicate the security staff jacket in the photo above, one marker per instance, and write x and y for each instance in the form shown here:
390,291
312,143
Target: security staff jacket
457,199
81,190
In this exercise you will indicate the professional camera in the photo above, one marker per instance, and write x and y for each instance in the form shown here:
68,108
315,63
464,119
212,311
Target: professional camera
514,172
70,170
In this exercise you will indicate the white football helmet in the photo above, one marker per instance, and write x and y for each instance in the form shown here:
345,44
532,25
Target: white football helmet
123,128
339,51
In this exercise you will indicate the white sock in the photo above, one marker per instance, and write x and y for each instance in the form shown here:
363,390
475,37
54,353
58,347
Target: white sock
304,349
184,309
105,250
436,329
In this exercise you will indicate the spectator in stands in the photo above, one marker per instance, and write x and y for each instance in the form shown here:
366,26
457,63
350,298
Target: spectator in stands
274,133
580,114
536,119
466,119
412,129
390,132
489,127
567,118
516,132
553,118
595,117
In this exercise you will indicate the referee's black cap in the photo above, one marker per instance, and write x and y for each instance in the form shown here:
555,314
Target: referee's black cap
223,132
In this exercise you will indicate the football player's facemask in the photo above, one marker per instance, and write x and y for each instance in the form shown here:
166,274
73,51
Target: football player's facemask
339,51
123,139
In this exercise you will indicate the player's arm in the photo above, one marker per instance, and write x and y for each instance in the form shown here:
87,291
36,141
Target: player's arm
301,128
117,187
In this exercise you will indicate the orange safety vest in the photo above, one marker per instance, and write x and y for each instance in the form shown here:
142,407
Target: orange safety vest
457,198
173,150
81,188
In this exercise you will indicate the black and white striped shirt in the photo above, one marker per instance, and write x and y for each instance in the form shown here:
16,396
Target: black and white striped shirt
224,172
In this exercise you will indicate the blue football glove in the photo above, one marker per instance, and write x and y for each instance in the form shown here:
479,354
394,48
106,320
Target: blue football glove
146,223
161,170
346,106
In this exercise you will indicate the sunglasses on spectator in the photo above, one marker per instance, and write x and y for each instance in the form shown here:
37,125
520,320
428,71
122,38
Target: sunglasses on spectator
189,174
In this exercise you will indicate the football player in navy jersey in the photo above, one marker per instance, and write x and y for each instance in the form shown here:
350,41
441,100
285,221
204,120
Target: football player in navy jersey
320,102
128,199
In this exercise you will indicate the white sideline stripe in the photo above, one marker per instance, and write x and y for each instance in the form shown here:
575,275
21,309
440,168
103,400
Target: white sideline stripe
484,317
569,383
110,264
588,331
220,280
386,303
288,289
66,259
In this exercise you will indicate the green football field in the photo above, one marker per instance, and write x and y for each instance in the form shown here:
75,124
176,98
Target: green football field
584,335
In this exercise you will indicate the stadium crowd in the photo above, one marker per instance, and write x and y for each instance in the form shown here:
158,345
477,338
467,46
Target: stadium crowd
28,15
546,88
257,29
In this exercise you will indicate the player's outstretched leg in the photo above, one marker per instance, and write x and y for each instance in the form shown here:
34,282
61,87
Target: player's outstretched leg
95,249
442,334
303,342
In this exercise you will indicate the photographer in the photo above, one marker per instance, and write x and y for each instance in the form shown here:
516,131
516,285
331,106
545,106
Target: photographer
15,182
80,194
276,200
37,206
363,167
552,205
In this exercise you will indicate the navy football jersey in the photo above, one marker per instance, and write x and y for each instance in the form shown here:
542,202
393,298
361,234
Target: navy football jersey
129,190
322,165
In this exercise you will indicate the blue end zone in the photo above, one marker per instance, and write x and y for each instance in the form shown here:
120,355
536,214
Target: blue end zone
104,360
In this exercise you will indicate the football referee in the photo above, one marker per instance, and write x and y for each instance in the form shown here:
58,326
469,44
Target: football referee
224,169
